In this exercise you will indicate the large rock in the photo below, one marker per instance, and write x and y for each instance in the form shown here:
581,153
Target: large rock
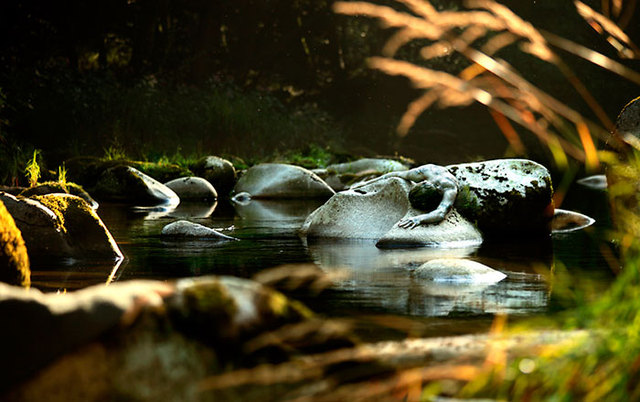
136,340
453,231
186,229
275,180
368,212
57,187
505,197
14,261
373,211
61,225
192,189
217,171
129,185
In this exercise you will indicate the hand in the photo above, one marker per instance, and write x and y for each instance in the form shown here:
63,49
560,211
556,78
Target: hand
409,223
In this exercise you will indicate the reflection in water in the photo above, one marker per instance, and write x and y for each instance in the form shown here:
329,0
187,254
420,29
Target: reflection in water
383,280
275,214
194,210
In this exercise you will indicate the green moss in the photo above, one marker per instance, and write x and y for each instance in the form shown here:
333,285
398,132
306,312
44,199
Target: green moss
14,261
211,298
61,206
466,200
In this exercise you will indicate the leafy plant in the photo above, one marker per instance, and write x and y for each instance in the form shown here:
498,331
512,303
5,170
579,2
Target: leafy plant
32,171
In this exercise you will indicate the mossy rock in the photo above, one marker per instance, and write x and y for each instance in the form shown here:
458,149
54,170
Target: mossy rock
84,230
229,310
128,185
53,187
14,261
87,170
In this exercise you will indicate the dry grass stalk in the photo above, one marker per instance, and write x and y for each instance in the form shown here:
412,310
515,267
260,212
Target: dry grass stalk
489,80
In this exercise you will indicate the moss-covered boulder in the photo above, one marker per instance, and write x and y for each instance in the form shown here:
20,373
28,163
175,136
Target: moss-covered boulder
128,185
277,180
62,226
217,171
138,340
14,261
505,197
193,189
87,170
53,187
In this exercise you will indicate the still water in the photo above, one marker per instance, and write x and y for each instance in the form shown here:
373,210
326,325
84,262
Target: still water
376,288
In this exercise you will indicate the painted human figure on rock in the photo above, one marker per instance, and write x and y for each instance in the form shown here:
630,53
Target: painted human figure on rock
440,178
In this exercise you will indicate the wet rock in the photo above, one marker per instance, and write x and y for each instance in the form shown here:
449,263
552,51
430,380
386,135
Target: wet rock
453,231
368,212
188,229
569,221
595,182
140,340
628,121
373,211
192,189
57,187
14,261
505,197
129,185
87,170
61,225
217,171
275,180
458,270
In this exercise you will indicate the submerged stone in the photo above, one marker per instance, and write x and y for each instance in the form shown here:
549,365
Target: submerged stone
569,221
276,180
14,261
458,270
188,229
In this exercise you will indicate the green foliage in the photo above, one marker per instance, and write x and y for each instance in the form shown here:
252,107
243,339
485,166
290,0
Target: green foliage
312,156
62,174
32,170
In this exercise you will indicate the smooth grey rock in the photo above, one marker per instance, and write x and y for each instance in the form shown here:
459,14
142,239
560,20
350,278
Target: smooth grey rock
373,211
458,270
131,186
595,182
505,196
453,231
217,171
193,230
569,221
276,180
192,189
61,225
367,212
379,166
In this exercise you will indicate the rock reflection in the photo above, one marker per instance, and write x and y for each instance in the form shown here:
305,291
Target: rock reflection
383,280
194,210
275,214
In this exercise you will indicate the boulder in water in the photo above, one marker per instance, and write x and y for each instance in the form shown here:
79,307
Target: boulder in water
277,180
192,189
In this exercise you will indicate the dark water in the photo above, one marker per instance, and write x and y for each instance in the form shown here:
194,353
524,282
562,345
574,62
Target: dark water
377,289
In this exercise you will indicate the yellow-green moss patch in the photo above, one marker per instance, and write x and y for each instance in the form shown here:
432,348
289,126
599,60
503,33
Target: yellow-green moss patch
14,262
